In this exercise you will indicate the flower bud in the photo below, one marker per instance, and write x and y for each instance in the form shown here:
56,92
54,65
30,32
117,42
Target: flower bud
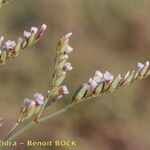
140,66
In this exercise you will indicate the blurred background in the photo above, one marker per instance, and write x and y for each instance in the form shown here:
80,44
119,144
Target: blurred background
108,35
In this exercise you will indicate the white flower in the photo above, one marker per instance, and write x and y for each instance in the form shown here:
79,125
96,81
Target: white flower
140,66
63,90
69,49
98,76
10,44
39,98
67,67
26,34
92,83
108,76
34,30
97,79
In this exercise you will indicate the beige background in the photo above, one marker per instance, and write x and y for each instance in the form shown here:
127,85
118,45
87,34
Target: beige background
108,35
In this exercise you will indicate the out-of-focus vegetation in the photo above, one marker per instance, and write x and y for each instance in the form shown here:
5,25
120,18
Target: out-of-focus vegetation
107,35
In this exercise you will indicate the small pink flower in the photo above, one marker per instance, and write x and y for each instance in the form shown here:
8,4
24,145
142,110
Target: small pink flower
39,98
92,83
26,34
27,101
108,76
63,90
10,45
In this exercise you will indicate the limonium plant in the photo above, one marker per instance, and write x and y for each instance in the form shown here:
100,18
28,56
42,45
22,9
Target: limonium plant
101,82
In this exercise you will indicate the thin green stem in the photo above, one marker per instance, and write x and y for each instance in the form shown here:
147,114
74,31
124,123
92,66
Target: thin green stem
32,123
12,129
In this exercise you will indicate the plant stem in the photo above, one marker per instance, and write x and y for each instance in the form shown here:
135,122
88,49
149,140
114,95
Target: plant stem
32,123
12,129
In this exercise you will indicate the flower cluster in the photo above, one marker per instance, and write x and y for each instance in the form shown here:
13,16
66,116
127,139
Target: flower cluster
106,82
31,107
11,49
62,66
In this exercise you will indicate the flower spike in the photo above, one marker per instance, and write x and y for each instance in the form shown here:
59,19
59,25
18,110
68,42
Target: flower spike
108,83
11,49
